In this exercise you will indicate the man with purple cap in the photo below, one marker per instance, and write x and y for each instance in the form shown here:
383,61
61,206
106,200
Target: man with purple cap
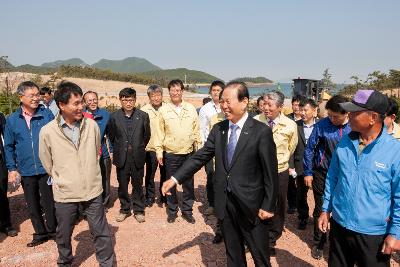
362,192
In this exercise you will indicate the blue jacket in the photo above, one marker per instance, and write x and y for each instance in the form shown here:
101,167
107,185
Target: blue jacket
102,117
362,190
321,144
21,144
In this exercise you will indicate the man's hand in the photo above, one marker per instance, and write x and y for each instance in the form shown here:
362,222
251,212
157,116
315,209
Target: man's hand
12,176
390,245
323,222
264,214
160,161
308,181
167,185
111,156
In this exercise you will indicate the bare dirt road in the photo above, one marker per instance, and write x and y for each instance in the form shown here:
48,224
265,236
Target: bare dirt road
153,243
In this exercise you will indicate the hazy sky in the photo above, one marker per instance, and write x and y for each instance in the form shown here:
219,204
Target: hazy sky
280,40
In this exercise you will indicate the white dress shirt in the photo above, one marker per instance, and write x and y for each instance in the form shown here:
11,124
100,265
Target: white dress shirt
205,114
240,124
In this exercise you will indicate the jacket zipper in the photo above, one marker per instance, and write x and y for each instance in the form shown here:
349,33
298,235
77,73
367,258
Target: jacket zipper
33,150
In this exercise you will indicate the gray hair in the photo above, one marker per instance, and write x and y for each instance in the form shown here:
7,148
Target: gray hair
276,96
153,89
26,85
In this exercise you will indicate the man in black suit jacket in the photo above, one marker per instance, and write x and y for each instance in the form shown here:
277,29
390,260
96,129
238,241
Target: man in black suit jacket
305,126
129,133
245,179
5,220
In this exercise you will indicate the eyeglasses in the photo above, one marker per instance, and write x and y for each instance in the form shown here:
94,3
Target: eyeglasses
92,101
32,96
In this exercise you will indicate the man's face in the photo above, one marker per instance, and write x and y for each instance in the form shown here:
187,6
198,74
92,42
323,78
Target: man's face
175,93
47,98
231,106
360,120
155,99
260,106
91,101
73,109
128,103
296,108
214,92
271,109
308,113
31,98
337,118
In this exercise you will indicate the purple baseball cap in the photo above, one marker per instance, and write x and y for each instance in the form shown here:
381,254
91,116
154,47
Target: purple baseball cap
367,99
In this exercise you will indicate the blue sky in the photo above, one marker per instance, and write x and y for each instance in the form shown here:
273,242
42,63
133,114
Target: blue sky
276,39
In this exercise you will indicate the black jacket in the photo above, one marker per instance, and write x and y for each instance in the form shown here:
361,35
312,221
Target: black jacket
118,136
253,174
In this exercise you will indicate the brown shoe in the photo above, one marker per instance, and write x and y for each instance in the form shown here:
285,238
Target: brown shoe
122,216
140,218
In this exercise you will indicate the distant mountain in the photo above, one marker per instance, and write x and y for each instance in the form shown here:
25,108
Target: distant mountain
254,80
35,69
5,64
127,65
67,62
192,76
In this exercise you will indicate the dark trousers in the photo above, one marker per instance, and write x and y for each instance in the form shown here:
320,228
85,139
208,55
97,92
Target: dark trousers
236,230
5,220
94,211
126,174
37,192
277,222
209,168
151,168
318,186
105,167
292,192
348,247
172,164
301,195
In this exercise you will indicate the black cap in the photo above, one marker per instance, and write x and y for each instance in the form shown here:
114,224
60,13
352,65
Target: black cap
367,99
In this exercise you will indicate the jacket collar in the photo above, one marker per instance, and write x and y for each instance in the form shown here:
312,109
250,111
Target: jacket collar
355,138
38,111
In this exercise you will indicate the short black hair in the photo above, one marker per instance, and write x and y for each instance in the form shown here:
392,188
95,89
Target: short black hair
243,92
298,98
25,85
45,90
127,92
393,107
216,83
206,100
90,92
308,101
176,82
64,91
333,103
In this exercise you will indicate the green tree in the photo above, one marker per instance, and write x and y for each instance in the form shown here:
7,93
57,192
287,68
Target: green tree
327,82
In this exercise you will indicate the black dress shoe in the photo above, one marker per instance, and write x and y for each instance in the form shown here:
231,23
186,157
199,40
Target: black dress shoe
189,218
149,202
217,238
171,218
37,242
9,231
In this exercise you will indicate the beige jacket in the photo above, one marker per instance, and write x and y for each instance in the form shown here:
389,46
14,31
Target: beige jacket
177,133
154,123
285,138
75,171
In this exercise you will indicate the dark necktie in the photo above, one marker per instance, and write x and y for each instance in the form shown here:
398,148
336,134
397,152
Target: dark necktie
271,124
232,143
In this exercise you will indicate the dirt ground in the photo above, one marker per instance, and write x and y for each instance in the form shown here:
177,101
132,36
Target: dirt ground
153,243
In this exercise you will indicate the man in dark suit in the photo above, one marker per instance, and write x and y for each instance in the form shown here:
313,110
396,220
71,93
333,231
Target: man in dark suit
308,110
129,134
245,179
5,219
